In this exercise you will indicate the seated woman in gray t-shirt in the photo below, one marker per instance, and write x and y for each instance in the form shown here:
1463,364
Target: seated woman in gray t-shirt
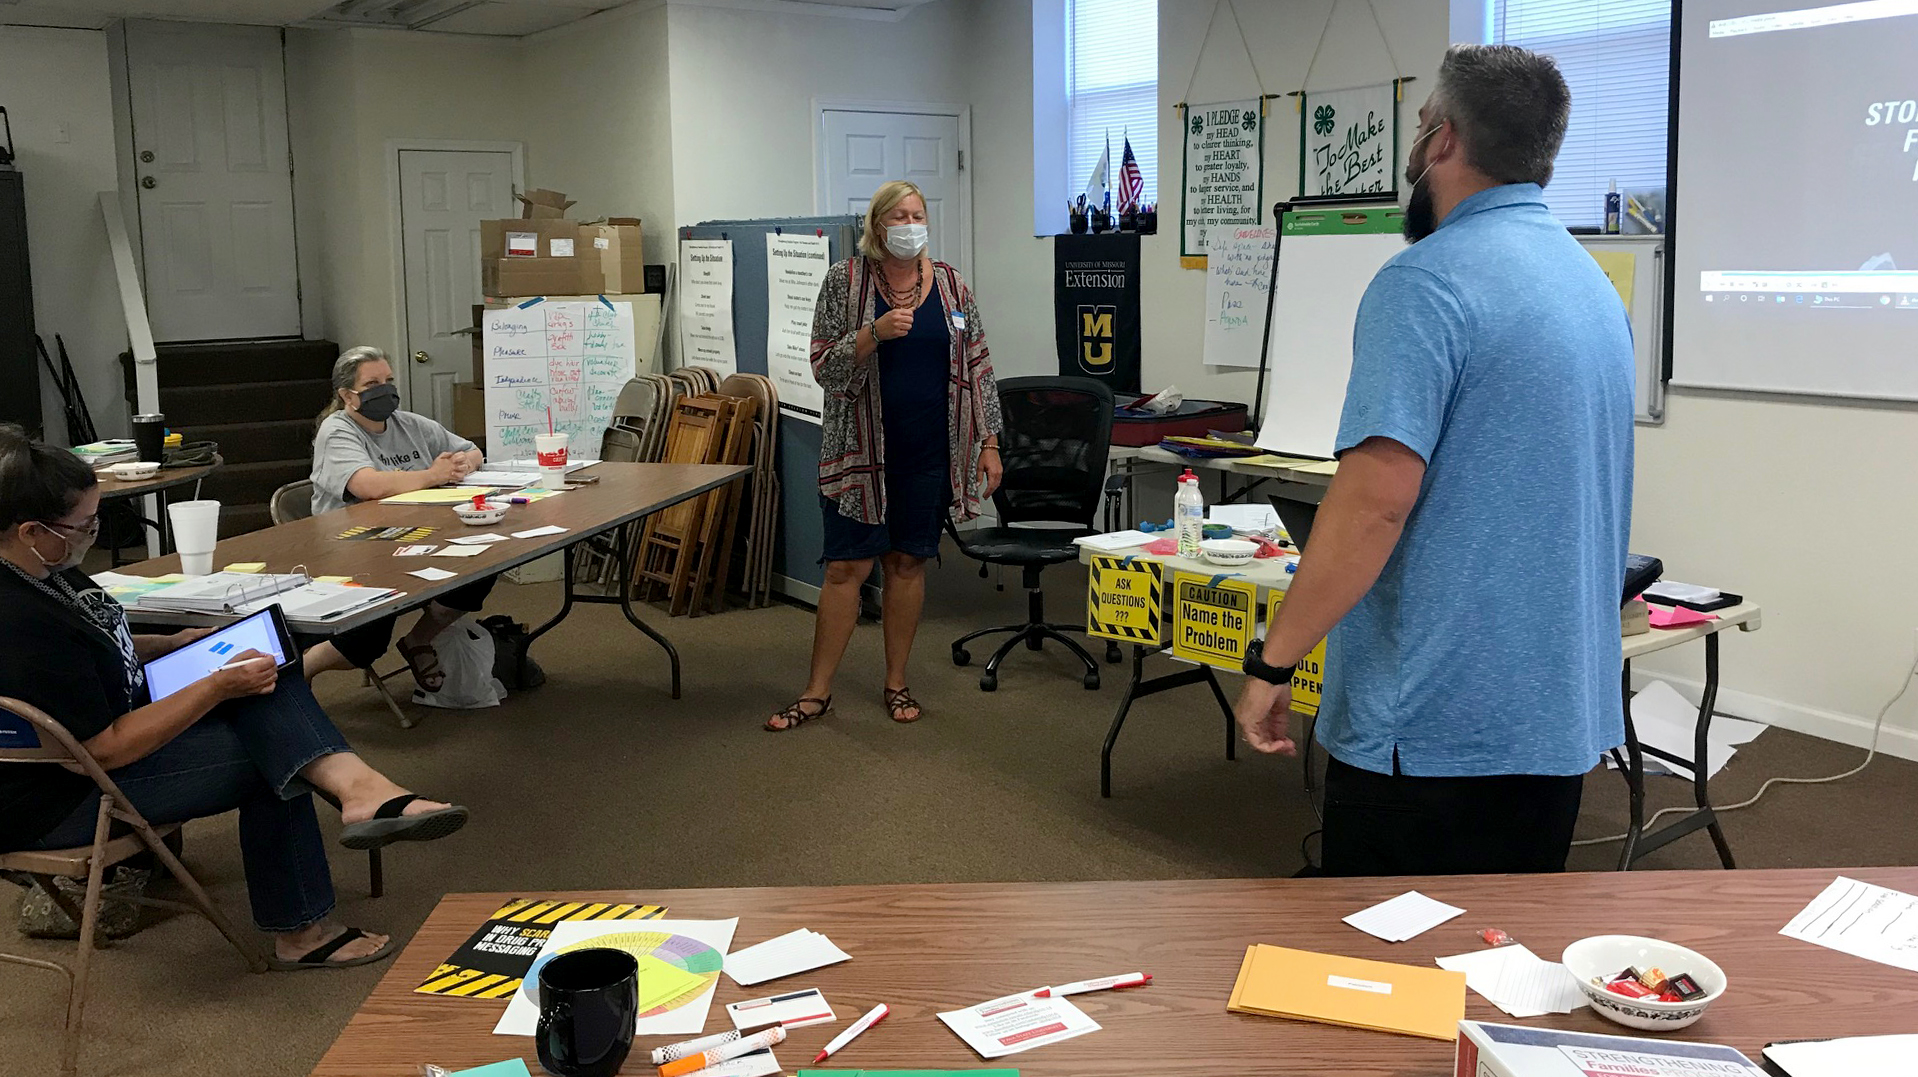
367,449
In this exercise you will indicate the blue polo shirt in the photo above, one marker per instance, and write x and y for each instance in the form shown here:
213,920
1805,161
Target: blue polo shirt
1497,351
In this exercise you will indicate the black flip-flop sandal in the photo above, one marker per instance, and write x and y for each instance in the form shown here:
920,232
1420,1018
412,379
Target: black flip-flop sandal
388,825
898,701
795,714
316,958
430,670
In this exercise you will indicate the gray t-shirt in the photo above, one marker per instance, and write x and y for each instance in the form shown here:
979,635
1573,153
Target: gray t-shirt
410,442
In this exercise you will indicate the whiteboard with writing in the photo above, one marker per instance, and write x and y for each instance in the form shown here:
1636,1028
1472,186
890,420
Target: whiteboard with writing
1237,285
557,362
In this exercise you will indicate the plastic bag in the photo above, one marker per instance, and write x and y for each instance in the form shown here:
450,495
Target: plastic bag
466,657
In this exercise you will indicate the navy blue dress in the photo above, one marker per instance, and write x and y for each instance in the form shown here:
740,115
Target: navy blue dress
915,375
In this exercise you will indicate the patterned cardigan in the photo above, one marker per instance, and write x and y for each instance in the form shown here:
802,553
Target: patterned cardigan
852,453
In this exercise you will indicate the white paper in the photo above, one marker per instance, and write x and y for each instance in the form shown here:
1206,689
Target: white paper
563,362
1244,517
795,268
1518,981
459,551
434,574
1112,541
406,551
538,532
522,1015
498,477
706,305
757,1064
560,248
794,1009
1849,1057
789,954
1408,915
1238,284
1863,920
480,540
1015,1023
1668,721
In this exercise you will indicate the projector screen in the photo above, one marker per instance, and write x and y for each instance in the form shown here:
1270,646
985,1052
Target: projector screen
1795,203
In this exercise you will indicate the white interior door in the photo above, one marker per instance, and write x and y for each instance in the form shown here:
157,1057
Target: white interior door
444,195
215,180
862,150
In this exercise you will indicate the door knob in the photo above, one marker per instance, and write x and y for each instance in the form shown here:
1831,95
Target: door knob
422,358
149,182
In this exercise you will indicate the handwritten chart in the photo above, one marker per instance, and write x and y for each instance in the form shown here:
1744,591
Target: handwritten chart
571,357
1238,282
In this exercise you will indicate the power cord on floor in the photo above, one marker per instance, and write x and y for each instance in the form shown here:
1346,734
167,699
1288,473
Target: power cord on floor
1877,727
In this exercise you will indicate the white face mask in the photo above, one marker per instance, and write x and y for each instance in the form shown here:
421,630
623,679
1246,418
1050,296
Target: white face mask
906,240
1405,191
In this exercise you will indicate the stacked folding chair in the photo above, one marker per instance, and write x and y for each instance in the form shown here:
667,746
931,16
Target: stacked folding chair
762,510
685,548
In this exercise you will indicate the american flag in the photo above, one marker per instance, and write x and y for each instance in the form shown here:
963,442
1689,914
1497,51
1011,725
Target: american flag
1131,180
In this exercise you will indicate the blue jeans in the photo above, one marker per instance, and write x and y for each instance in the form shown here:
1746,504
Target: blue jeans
245,754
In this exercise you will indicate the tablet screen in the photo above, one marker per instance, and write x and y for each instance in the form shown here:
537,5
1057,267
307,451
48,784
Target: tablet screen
169,674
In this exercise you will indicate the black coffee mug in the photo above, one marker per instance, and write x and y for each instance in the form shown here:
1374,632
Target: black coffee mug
149,437
588,1003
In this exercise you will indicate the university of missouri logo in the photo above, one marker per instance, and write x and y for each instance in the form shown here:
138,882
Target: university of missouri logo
1095,338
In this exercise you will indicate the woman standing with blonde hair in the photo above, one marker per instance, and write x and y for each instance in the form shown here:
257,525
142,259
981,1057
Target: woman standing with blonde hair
910,435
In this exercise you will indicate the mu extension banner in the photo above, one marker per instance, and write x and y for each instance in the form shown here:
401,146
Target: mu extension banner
1095,306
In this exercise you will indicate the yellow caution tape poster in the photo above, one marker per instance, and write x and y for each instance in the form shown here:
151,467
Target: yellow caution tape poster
1123,600
1308,680
492,962
1620,267
1212,618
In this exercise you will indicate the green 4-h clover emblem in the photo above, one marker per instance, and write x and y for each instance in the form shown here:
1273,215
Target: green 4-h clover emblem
1249,120
1198,124
1322,119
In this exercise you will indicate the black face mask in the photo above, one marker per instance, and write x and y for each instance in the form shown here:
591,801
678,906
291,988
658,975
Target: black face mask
379,402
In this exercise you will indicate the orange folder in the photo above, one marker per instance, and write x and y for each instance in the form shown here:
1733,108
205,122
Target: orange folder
1277,982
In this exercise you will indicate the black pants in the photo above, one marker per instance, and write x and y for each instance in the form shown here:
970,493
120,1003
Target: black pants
1395,824
364,645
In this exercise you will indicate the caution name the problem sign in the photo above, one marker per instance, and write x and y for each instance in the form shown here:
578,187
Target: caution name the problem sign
1212,619
1123,600
1308,679
496,958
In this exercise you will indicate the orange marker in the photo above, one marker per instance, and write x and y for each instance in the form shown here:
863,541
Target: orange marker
725,1052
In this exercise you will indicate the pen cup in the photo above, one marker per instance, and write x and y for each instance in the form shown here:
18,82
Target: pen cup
588,1008
196,528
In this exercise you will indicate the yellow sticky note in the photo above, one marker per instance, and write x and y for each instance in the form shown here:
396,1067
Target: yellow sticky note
332,579
246,566
660,983
438,495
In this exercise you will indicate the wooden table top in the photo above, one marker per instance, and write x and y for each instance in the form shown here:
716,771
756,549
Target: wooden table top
168,478
1746,617
923,949
625,492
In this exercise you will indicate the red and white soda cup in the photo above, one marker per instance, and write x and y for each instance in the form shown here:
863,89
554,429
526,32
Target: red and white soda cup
550,450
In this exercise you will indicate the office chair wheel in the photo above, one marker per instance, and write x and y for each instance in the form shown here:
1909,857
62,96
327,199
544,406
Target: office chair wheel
961,656
1113,655
988,682
1092,682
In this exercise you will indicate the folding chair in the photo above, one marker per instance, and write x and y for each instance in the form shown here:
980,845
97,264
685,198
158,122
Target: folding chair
56,747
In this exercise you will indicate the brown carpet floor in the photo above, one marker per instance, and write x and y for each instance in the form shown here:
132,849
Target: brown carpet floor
599,779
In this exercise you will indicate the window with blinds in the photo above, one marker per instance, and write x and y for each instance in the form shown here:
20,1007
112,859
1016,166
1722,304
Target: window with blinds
1112,90
1616,56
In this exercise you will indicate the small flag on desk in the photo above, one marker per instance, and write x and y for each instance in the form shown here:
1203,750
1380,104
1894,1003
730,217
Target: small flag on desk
1131,180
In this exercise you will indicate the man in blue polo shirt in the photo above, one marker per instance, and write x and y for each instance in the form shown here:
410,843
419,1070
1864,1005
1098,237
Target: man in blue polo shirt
1468,559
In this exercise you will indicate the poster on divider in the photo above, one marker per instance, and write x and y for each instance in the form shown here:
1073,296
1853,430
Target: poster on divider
1213,618
795,268
706,305
554,364
1238,288
1348,143
1224,174
1308,679
1123,600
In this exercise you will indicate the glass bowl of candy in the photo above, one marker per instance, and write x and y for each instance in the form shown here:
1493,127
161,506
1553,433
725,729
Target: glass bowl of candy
1644,983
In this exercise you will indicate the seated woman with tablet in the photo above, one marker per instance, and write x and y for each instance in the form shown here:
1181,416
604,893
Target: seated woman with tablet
221,730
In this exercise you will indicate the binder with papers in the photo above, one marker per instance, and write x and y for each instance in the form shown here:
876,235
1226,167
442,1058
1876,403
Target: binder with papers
1278,982
298,595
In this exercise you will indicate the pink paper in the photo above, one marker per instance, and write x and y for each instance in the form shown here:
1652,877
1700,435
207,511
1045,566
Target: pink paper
1678,617
1162,547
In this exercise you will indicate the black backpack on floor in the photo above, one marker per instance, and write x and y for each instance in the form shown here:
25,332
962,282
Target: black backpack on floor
509,652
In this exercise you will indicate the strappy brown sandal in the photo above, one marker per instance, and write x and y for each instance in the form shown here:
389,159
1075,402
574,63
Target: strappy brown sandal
428,674
900,699
796,714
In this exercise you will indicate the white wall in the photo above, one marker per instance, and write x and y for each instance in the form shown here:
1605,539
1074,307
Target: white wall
50,78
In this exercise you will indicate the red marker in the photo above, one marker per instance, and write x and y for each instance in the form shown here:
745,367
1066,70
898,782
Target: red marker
1103,983
873,1016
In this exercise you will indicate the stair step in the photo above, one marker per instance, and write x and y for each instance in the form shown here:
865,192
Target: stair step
252,484
255,401
251,443
183,365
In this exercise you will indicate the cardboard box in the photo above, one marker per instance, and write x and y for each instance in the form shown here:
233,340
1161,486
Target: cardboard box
528,239
1489,1050
622,257
469,411
542,204
517,277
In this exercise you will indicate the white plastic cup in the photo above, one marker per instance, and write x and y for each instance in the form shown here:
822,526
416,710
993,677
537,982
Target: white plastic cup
196,529
550,450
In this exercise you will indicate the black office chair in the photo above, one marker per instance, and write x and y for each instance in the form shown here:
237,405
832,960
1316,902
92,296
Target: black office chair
1057,431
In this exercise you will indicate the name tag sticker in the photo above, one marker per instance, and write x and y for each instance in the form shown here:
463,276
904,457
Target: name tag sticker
958,320
1351,984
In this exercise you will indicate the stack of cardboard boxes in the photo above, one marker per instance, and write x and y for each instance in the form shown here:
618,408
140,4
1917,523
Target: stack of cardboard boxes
543,253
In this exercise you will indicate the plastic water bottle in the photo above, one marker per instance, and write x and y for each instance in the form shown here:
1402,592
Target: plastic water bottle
1188,512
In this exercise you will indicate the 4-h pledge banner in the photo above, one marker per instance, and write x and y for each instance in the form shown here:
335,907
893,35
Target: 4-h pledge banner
1095,307
1224,173
1349,143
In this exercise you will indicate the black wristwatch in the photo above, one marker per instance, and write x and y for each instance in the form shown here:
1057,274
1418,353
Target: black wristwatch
1256,666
